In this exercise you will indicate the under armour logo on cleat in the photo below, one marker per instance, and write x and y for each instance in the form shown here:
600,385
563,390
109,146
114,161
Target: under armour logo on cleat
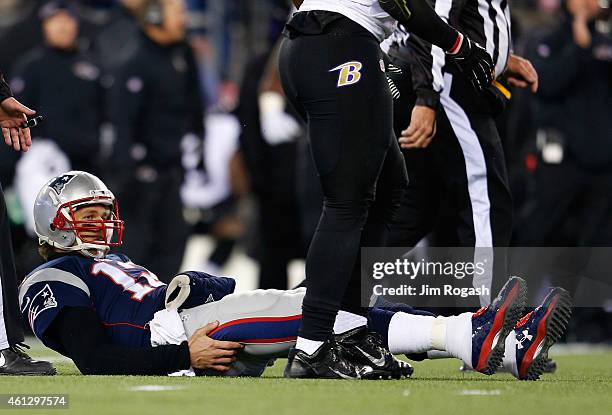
526,336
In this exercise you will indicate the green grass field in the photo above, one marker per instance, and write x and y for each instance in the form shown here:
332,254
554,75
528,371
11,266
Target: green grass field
581,386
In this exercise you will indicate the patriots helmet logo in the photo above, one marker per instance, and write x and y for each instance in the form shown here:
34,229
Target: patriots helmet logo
43,300
60,182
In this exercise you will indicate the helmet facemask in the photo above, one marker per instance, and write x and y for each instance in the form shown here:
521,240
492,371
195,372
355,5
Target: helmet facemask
66,220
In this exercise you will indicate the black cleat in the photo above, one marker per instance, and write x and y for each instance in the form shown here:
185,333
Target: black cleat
14,361
328,362
367,348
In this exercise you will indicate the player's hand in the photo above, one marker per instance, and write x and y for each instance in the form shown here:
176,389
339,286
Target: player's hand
521,73
207,353
475,62
277,127
421,130
12,115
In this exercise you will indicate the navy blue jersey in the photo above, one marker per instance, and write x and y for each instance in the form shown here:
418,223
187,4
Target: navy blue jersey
124,295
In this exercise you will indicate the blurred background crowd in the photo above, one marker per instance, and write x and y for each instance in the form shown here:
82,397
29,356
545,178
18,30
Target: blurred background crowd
163,100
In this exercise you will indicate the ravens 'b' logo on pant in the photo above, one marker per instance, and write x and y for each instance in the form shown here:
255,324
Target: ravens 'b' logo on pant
350,73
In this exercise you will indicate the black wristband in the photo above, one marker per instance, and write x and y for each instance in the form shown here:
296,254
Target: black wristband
428,98
184,356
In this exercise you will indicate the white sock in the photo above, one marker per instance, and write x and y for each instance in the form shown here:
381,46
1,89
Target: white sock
307,346
450,336
458,339
410,333
346,321
509,360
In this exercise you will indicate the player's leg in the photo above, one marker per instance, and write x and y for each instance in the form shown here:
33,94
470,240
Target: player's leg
266,321
478,339
346,99
500,196
390,189
473,338
476,179
350,326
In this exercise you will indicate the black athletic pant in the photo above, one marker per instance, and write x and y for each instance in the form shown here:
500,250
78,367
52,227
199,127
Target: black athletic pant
460,180
362,173
10,319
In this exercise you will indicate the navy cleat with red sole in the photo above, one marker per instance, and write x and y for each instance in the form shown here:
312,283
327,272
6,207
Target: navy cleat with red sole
492,324
550,366
537,331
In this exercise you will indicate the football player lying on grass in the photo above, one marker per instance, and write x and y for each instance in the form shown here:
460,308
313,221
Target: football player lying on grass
111,316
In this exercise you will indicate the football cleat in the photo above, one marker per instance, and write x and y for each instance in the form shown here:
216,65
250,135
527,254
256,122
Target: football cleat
537,331
367,348
14,361
550,366
328,362
492,324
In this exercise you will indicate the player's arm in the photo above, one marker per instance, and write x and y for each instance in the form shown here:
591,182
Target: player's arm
520,73
425,63
420,18
277,126
82,338
426,82
80,335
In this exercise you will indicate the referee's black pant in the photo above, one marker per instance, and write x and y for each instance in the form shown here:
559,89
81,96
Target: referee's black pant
332,73
459,181
11,332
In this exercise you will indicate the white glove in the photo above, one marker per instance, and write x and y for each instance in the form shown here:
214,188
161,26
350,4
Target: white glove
277,127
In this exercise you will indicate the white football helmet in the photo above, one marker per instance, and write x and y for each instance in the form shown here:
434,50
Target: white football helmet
58,200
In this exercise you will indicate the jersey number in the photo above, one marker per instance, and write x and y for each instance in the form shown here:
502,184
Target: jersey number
117,273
